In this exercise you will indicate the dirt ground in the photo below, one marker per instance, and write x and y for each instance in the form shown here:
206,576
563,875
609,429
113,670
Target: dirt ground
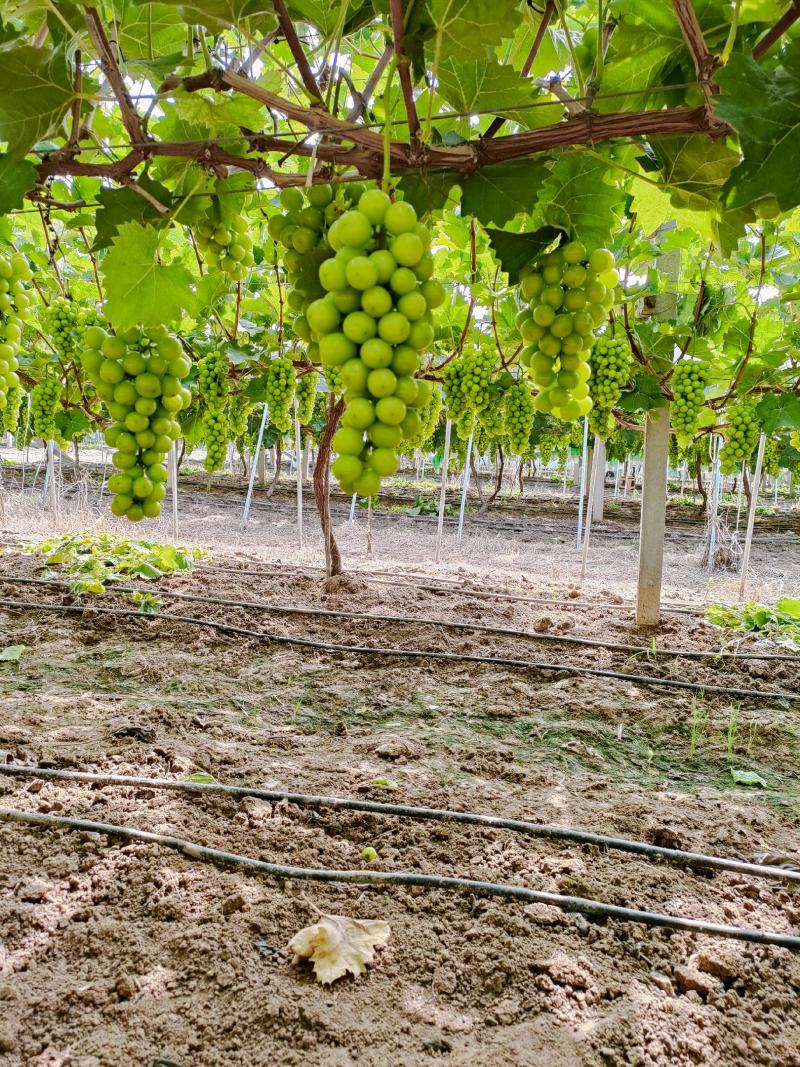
115,953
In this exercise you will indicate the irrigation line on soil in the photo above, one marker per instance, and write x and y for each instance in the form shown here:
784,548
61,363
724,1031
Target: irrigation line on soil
402,653
407,811
364,616
429,881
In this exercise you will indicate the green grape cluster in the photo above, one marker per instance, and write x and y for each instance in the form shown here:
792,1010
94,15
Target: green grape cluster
45,403
741,436
689,383
492,415
333,379
468,383
519,416
610,361
238,414
212,375
226,244
771,461
569,297
794,440
428,422
138,373
216,434
15,305
280,393
12,409
62,324
305,392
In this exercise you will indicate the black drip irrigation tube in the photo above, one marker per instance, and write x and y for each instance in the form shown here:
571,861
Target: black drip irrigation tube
401,653
677,856
364,616
594,908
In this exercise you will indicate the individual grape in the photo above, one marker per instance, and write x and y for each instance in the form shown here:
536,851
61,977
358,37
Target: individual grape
569,297
62,324
689,382
212,375
216,434
610,361
139,375
519,416
305,392
280,393
741,436
45,403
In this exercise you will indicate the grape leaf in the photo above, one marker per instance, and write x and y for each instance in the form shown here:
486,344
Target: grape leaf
11,653
219,14
118,206
144,32
427,192
138,288
502,190
576,198
464,28
517,250
747,778
482,85
338,945
325,15
653,207
763,106
17,177
35,93
777,410
694,169
219,115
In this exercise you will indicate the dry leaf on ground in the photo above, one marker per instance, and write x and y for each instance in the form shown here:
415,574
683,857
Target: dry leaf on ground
337,944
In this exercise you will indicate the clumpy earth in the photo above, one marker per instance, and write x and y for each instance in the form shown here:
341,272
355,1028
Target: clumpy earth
114,952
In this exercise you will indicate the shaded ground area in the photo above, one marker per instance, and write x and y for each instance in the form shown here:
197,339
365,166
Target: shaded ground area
117,953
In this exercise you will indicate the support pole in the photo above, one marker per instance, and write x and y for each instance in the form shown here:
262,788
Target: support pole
598,463
716,481
597,491
173,480
299,477
464,490
654,509
751,515
583,479
443,491
739,498
254,468
352,507
51,448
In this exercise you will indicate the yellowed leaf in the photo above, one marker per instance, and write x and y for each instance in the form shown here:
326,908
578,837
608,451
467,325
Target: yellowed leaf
338,945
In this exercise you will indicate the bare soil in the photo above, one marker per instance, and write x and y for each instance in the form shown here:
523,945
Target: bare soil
114,953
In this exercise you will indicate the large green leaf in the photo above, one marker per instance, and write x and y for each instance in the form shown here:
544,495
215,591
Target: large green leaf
694,169
486,86
776,410
17,177
220,114
576,197
763,106
148,33
517,250
138,288
118,206
325,15
495,194
464,28
35,94
220,14
427,192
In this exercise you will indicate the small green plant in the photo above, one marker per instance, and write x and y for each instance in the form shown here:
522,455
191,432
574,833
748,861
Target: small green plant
732,731
698,724
428,506
148,603
781,622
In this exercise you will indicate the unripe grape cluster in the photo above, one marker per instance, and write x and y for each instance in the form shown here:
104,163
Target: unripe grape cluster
428,421
366,312
611,360
468,383
280,393
689,383
45,404
741,436
12,409
212,377
305,392
794,440
238,414
63,326
569,297
771,461
138,374
519,416
216,434
226,244
15,304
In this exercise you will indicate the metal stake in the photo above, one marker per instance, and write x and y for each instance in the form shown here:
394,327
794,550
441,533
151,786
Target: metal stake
583,479
253,468
465,489
751,515
443,491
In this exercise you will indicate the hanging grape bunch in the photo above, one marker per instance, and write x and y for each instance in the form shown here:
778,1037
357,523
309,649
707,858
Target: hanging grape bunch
62,325
15,303
305,391
741,436
212,374
794,440
216,434
689,382
139,375
12,409
428,421
471,389
280,393
771,460
569,297
238,413
223,238
45,405
610,361
519,416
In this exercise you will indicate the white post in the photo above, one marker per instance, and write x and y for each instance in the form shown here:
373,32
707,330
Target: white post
716,482
597,492
654,509
739,496
173,480
253,468
369,526
616,479
352,507
443,491
299,476
51,467
583,479
598,462
751,515
464,489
